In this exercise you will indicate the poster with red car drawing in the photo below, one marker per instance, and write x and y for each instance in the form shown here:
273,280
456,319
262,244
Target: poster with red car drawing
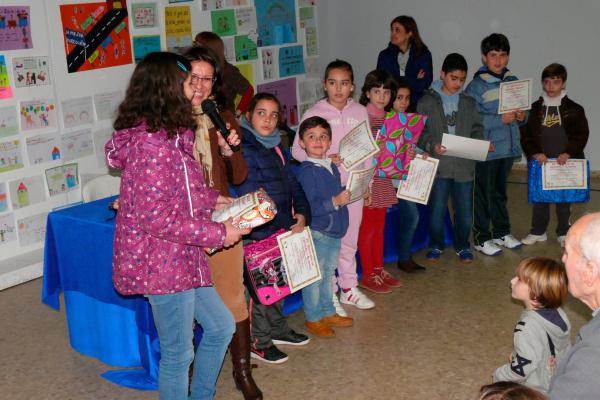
96,35
15,28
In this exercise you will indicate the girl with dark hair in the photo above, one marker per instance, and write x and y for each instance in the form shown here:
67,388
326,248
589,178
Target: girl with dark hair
407,56
164,224
223,167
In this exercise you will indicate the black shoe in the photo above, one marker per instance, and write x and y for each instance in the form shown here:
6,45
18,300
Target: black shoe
292,339
271,355
410,266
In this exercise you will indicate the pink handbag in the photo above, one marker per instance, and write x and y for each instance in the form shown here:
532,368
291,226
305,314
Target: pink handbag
399,132
265,269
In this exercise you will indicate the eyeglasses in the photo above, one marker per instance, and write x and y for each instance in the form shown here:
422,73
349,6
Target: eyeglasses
205,80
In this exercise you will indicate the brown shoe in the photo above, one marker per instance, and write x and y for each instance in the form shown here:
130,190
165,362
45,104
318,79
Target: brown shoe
239,349
319,329
337,320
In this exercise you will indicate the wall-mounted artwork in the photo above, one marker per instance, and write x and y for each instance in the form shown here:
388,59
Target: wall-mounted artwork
15,28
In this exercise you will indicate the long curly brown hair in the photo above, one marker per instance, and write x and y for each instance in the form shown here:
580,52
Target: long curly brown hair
155,95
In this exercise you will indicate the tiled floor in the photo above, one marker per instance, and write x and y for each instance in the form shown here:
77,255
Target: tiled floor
438,337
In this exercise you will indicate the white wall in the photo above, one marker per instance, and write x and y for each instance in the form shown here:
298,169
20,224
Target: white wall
540,32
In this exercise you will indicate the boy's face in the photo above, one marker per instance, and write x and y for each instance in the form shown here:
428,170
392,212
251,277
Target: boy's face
553,86
402,100
316,142
520,291
453,81
495,61
379,97
265,117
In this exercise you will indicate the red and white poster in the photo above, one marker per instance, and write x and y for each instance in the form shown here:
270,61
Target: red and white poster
96,35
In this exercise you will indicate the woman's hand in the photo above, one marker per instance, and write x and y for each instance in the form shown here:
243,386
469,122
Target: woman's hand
336,159
233,234
222,202
233,139
300,223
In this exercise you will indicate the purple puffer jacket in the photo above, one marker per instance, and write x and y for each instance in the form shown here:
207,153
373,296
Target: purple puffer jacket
163,223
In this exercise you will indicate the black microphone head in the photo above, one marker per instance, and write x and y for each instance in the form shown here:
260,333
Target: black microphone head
208,106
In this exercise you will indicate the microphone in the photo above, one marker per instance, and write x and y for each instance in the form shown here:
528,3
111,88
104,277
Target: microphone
210,108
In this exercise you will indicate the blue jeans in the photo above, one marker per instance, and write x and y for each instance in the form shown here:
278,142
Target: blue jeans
317,297
409,220
462,202
174,315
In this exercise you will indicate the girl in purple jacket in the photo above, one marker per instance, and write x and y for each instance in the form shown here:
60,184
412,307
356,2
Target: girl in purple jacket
164,223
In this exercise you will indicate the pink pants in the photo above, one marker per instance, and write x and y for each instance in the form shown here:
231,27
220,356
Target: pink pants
347,277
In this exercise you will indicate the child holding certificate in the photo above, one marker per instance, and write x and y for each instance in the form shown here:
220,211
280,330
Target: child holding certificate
320,180
378,94
343,114
557,128
453,112
269,168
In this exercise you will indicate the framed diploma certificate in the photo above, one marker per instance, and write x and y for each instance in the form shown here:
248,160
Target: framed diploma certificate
419,181
357,146
299,257
515,95
572,175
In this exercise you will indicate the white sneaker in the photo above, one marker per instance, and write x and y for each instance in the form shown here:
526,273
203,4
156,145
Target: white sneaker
561,240
338,307
489,248
508,241
531,238
356,298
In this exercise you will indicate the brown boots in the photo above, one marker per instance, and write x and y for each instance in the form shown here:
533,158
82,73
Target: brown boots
240,357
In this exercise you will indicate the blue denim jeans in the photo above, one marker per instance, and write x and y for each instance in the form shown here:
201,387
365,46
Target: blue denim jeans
174,315
317,297
409,220
462,202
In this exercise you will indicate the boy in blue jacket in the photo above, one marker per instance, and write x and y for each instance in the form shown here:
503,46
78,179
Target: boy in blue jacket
320,180
502,130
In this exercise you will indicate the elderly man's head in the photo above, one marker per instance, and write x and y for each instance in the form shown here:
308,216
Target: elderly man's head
582,259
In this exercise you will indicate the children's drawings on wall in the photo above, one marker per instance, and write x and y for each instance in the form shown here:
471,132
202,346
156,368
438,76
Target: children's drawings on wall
276,22
11,156
96,35
269,63
245,19
32,229
312,46
223,22
43,148
143,45
26,191
285,91
101,136
106,104
77,112
8,121
245,48
310,90
291,60
15,28
144,15
5,89
219,4
229,48
307,17
178,27
3,197
37,114
8,231
62,179
77,144
311,68
31,71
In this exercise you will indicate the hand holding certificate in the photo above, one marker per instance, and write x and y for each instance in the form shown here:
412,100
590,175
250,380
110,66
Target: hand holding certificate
514,96
418,183
357,146
463,147
358,183
299,257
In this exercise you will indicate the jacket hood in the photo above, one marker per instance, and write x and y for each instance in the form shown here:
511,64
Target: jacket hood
488,76
116,148
551,328
437,87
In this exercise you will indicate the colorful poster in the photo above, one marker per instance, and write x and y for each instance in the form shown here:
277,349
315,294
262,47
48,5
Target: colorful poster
269,63
15,28
27,191
77,112
143,45
5,89
276,22
77,144
32,229
245,19
285,91
106,104
8,121
42,148
3,197
245,48
223,22
310,37
37,114
291,61
62,179
219,4
31,71
96,35
247,71
178,27
10,155
8,231
101,136
144,15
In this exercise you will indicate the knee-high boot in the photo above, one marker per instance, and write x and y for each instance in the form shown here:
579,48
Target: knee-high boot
240,357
